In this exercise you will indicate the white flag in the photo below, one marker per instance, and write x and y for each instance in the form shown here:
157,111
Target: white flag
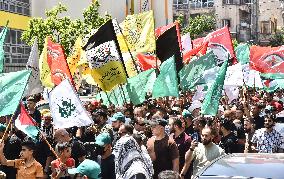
34,85
66,107
232,92
234,76
186,43
251,77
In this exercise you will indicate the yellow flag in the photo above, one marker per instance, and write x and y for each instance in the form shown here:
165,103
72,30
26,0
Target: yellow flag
78,65
139,33
104,58
45,72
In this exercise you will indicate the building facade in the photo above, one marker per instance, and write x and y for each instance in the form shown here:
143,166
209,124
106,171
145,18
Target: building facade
18,13
248,20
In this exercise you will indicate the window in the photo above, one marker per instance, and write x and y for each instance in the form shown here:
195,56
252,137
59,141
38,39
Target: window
16,51
231,2
16,6
226,22
265,27
202,3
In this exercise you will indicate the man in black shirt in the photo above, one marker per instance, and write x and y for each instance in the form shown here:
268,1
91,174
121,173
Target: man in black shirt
258,121
229,142
33,112
103,142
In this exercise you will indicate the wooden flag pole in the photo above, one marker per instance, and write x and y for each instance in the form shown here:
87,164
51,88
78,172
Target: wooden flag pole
50,147
7,127
128,49
123,95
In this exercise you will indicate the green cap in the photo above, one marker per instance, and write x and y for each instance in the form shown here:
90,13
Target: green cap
2,127
89,168
118,117
186,113
103,139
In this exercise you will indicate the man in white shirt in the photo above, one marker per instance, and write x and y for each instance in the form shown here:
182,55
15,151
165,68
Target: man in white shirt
201,153
267,139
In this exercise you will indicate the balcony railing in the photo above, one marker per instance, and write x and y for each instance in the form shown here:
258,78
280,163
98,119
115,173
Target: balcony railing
180,6
237,2
196,5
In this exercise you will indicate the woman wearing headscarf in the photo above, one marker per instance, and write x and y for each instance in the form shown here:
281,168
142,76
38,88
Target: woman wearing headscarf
130,160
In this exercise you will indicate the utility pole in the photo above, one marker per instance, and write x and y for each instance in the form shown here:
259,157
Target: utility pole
256,20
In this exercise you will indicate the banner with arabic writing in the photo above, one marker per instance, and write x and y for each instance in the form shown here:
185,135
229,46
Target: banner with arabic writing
104,57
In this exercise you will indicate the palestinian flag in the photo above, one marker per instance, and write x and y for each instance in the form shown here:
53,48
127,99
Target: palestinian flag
268,61
26,124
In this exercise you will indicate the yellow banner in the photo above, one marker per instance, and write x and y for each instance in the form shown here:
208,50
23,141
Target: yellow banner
138,32
45,72
109,75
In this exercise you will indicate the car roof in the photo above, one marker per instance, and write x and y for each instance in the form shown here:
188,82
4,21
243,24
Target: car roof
245,165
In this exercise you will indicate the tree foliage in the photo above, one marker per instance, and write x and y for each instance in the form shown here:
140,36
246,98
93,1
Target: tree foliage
198,25
277,39
63,30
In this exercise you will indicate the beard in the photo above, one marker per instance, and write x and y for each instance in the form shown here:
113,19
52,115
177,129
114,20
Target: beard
268,126
220,133
206,142
247,130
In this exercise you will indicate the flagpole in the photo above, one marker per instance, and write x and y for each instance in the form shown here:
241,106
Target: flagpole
123,95
50,147
126,43
7,127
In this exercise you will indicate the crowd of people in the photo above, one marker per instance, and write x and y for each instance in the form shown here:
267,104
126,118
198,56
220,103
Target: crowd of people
162,138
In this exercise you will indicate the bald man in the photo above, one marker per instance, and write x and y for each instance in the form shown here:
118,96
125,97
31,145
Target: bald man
202,153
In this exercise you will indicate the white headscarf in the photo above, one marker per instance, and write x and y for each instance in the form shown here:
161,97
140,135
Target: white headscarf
130,160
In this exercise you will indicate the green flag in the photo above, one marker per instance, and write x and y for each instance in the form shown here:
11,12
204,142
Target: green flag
211,101
137,86
242,53
166,83
117,96
12,87
2,40
191,75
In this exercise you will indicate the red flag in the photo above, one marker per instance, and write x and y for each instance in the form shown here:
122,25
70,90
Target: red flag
160,30
147,62
221,43
25,118
197,51
198,42
57,63
267,59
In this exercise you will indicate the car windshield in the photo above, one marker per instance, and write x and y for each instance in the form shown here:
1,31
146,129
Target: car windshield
247,166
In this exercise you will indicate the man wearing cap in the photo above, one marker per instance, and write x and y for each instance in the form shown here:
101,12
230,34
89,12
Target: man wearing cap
162,149
104,149
88,169
117,120
187,117
33,112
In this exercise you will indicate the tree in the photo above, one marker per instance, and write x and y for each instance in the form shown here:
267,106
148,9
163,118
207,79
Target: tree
277,39
63,30
198,25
